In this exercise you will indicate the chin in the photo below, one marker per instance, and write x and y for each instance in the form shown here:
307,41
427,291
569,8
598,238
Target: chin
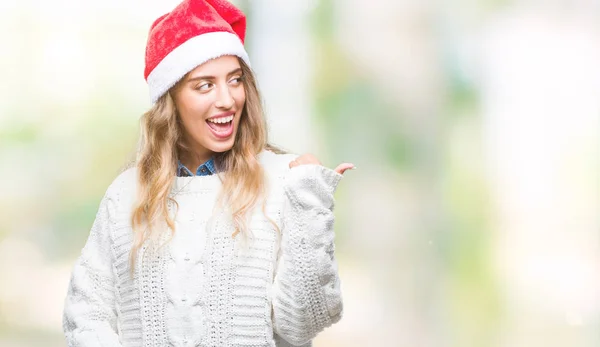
221,147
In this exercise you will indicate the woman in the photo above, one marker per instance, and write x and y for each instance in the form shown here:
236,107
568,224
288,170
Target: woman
239,252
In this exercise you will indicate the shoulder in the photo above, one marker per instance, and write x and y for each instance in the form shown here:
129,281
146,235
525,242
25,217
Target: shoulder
274,163
123,187
303,177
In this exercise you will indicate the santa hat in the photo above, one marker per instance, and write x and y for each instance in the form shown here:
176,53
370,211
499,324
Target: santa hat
193,33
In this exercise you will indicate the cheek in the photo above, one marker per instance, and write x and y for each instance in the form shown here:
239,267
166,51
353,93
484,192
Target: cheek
194,110
240,98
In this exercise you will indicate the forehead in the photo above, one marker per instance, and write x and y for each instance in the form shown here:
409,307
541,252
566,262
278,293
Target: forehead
220,66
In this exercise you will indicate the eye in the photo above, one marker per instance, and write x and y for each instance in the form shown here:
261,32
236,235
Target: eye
236,80
204,86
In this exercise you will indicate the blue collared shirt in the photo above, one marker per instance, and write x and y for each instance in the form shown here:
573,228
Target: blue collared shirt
206,169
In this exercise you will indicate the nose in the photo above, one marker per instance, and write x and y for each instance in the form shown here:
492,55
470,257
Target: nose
224,98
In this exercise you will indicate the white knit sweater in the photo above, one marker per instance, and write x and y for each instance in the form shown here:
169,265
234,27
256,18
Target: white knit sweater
204,288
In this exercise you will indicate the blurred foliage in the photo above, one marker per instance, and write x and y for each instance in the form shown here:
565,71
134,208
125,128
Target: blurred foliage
359,122
347,104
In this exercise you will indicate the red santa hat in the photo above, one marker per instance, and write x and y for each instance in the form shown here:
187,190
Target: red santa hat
193,33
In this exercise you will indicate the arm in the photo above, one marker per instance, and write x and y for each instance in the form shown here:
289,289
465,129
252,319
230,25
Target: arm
306,290
89,317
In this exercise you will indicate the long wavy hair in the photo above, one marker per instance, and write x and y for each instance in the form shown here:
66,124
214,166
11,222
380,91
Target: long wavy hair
161,145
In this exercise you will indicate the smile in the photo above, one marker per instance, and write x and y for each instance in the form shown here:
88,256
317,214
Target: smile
221,126
220,120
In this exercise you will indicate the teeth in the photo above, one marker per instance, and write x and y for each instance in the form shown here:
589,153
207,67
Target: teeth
221,120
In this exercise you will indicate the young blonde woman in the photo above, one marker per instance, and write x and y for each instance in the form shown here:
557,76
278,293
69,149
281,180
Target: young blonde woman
213,237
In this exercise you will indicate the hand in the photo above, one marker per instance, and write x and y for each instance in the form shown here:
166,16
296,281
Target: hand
311,159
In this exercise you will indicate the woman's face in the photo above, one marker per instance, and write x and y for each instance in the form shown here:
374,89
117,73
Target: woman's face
210,100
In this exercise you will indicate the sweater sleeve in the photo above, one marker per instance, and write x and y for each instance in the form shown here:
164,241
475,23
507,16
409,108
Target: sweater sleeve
306,289
89,317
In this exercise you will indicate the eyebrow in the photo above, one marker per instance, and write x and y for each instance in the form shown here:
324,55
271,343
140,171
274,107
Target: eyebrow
210,78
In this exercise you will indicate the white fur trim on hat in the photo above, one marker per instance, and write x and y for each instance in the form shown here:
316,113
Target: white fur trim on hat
189,55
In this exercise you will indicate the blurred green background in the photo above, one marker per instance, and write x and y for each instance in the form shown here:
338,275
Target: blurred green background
472,219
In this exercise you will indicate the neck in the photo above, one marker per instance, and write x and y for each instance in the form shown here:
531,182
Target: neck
196,154
193,160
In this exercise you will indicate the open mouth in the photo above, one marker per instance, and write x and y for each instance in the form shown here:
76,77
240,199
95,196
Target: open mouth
221,126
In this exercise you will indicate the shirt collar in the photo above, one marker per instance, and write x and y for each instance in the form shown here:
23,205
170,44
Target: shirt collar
206,169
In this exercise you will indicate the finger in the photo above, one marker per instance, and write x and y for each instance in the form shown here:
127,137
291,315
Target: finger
343,167
293,163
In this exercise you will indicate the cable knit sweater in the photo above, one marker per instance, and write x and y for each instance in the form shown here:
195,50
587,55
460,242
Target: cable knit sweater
204,288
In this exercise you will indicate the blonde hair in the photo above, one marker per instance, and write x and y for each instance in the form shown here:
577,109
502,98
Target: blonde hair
161,143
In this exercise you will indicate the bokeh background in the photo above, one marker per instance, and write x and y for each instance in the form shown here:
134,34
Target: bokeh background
472,219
